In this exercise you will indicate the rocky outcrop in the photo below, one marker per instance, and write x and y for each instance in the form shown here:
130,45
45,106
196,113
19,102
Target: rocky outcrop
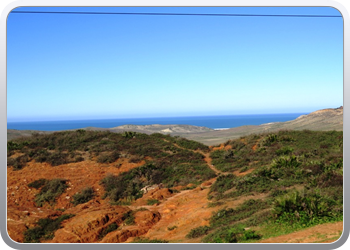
86,225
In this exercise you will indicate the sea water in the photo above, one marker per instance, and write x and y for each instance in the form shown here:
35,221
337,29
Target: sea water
213,122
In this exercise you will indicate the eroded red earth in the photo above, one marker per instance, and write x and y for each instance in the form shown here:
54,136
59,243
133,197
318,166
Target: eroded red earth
171,219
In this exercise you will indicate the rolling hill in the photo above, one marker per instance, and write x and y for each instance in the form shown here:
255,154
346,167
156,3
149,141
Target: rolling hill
89,186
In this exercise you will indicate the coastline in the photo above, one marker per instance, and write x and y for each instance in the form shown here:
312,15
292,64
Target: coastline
212,122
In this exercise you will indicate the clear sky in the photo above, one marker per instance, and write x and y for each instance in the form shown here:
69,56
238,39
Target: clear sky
71,67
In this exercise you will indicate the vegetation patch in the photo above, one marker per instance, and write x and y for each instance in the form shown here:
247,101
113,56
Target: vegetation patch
174,161
38,183
231,234
309,160
108,157
110,228
197,232
288,158
306,208
17,163
129,218
146,240
172,228
152,201
170,172
222,184
45,229
83,196
50,191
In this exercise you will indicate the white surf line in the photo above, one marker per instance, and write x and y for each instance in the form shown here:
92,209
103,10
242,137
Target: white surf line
221,128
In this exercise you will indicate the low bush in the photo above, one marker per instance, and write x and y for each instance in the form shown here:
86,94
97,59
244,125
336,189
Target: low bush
231,234
83,196
198,231
146,240
108,157
249,235
223,183
192,145
45,229
129,218
50,191
37,183
18,163
284,151
110,228
152,202
307,207
172,228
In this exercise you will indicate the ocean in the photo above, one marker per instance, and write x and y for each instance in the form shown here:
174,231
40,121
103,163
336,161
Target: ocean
213,122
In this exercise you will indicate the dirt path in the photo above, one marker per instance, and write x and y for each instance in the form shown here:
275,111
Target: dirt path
207,158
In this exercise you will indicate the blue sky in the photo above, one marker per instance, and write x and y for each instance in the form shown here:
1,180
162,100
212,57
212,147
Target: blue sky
71,67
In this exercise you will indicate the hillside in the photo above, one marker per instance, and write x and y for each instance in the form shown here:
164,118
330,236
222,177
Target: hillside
320,120
99,186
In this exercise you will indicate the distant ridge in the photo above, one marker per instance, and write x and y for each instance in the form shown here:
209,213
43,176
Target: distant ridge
167,129
322,120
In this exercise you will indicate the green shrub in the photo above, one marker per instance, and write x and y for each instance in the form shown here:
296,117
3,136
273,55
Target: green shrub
223,183
129,134
286,162
129,218
228,216
198,231
50,191
108,157
270,139
37,183
110,228
305,207
192,145
146,240
152,201
231,234
45,229
83,196
277,192
172,228
57,158
250,235
121,186
18,163
284,151
214,204
12,145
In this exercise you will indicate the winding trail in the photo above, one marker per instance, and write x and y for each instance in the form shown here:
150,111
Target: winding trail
207,158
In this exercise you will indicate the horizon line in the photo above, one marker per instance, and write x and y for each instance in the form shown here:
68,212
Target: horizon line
151,117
